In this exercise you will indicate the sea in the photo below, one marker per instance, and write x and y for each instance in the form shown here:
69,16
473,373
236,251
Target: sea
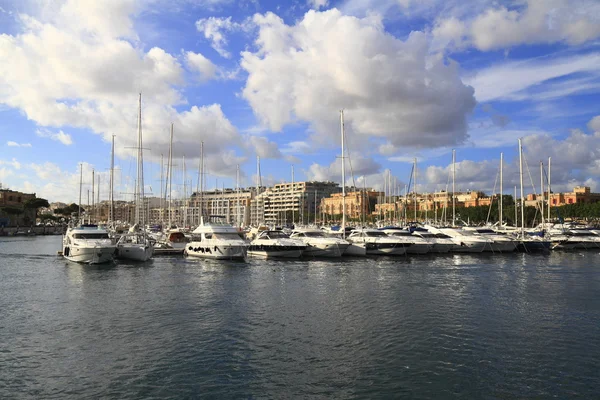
480,326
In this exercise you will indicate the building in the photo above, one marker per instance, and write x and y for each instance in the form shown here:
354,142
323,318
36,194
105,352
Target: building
233,204
12,208
287,202
358,204
580,194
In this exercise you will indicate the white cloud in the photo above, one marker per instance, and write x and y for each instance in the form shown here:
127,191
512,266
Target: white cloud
510,80
297,147
13,163
215,29
522,22
305,73
594,124
264,148
200,64
317,4
10,143
357,163
59,136
82,74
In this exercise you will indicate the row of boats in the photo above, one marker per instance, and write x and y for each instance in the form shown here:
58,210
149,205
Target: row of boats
217,239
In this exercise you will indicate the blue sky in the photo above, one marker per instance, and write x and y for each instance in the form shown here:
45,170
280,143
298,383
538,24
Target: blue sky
268,78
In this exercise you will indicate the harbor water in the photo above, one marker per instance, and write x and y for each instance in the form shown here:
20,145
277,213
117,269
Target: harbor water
445,326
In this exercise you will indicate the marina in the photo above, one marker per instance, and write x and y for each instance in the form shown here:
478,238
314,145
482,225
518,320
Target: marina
508,325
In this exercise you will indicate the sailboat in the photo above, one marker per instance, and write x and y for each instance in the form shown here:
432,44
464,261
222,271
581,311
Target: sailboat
135,244
529,243
87,243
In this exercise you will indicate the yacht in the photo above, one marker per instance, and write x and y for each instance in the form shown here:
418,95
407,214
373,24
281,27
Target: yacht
374,242
88,244
501,242
320,244
135,245
439,242
465,241
276,244
216,239
173,241
413,244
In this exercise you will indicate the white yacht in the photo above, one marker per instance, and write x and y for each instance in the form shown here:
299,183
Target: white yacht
88,244
320,244
135,245
276,244
173,241
439,242
465,241
413,244
373,242
501,242
216,239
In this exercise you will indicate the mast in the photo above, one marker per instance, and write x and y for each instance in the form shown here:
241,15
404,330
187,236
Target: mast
112,182
185,203
80,184
237,190
93,186
139,178
258,184
522,199
315,207
516,209
161,189
343,178
453,187
293,199
201,183
542,190
501,199
549,195
98,193
415,188
170,174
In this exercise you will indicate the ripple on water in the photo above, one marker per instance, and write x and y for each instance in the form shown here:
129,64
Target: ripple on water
467,326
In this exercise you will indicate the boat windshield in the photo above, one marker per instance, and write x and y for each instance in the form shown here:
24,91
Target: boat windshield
487,231
276,235
99,235
225,236
177,237
399,233
315,234
375,233
442,236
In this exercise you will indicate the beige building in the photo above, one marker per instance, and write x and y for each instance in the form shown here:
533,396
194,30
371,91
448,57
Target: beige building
12,199
358,203
287,202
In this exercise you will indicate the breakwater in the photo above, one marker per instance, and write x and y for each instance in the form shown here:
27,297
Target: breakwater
32,230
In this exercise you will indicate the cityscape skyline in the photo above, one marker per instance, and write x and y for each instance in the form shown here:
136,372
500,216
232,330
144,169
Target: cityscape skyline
416,79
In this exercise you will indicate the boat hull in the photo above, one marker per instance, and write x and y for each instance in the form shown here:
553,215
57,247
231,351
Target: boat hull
331,250
274,253
134,252
89,255
217,252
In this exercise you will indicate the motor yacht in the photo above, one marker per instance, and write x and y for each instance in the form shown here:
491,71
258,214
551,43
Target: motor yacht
276,244
465,241
216,239
135,245
319,244
374,242
501,242
88,244
412,243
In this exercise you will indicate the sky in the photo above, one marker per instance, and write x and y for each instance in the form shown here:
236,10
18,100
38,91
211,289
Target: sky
248,78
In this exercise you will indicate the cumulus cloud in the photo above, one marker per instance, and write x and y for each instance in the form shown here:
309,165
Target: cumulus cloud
264,148
10,143
61,72
317,4
12,163
59,136
215,30
390,89
358,164
203,66
529,22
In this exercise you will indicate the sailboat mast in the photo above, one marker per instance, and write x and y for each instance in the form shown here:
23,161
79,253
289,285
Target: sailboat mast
453,187
93,186
184,195
138,205
112,182
415,189
343,178
549,190
170,174
501,198
542,190
161,189
80,185
293,198
237,195
521,181
201,182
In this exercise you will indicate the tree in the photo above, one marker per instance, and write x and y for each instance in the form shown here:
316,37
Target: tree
36,203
